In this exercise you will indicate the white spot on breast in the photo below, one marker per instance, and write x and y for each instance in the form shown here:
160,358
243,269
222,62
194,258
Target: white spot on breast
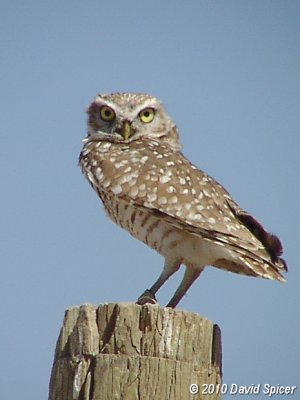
133,191
173,200
206,193
164,179
116,189
142,186
99,174
125,178
204,180
198,217
185,191
170,163
182,181
148,204
171,189
121,163
144,159
151,197
106,183
178,207
132,182
135,174
230,228
162,200
211,220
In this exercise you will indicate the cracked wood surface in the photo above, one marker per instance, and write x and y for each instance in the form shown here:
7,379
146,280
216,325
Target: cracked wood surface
131,352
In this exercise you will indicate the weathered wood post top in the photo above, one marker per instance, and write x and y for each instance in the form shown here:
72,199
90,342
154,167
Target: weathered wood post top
132,352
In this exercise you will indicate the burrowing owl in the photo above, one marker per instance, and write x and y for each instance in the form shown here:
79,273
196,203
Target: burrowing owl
132,159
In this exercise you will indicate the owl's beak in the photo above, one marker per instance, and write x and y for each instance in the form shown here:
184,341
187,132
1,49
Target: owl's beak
126,130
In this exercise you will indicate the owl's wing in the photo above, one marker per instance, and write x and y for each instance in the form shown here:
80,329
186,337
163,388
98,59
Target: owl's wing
257,244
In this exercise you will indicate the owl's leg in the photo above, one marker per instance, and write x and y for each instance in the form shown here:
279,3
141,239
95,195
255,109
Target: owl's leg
190,275
149,295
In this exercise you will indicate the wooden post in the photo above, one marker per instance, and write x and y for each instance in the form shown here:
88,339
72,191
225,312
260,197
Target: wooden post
131,352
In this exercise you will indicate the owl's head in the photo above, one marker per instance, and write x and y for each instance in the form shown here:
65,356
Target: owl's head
125,117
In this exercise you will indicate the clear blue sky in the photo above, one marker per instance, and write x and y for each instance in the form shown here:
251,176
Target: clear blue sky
229,74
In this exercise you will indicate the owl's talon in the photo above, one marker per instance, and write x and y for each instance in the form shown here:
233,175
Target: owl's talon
146,298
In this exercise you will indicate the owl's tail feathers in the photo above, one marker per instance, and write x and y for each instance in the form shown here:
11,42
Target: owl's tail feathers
265,269
281,265
271,242
251,265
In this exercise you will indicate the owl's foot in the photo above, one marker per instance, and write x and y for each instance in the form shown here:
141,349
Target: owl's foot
146,298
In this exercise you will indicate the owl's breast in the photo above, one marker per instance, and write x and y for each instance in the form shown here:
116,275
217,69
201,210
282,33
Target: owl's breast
155,232
122,169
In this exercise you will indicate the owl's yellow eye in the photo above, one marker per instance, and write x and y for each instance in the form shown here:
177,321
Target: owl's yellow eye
107,113
147,115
